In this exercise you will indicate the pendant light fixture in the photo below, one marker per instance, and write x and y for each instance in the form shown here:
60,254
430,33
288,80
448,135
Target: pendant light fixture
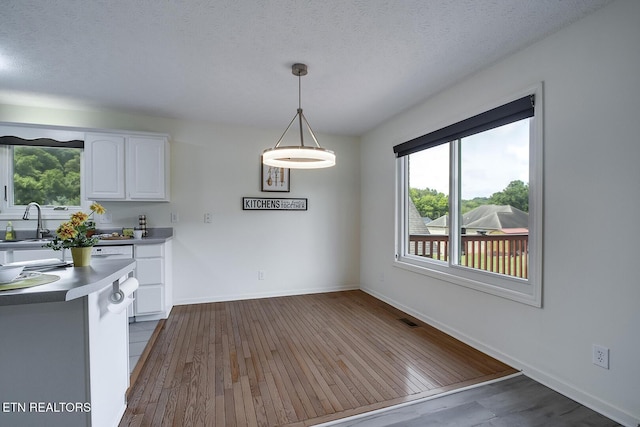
299,156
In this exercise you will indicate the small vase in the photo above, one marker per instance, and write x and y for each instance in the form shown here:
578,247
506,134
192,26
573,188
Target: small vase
81,256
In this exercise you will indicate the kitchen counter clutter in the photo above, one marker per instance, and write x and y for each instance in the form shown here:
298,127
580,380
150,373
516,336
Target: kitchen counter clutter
65,348
155,236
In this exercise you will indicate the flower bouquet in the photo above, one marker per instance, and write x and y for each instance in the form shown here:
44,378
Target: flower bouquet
77,234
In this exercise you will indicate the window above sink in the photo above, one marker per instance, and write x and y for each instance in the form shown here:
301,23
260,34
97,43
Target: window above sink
42,165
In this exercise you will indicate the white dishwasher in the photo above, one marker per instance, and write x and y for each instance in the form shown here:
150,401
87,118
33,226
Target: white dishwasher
112,252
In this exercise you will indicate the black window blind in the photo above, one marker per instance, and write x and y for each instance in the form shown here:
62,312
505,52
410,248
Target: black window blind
40,142
508,113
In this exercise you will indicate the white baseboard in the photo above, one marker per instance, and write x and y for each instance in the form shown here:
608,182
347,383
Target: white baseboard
270,294
586,399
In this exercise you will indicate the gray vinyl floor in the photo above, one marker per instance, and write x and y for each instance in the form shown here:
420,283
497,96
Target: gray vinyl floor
513,402
139,334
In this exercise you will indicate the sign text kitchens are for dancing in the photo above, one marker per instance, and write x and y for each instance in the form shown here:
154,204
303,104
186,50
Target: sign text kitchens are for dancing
272,204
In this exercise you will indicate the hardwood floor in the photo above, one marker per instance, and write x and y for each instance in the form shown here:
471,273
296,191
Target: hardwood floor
295,361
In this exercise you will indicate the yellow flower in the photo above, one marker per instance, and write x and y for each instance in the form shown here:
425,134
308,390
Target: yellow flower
75,232
97,208
78,218
67,231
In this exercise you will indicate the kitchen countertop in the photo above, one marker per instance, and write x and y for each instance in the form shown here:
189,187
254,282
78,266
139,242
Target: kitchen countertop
155,236
75,282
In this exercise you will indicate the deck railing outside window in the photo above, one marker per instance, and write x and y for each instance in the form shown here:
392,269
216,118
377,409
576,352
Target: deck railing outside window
500,253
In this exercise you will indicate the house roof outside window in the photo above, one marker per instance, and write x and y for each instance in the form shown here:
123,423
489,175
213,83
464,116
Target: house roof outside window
487,218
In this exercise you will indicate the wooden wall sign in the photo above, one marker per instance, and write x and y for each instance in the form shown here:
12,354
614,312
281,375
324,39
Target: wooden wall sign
273,204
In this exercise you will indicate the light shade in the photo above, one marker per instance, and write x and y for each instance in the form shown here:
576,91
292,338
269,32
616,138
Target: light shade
299,156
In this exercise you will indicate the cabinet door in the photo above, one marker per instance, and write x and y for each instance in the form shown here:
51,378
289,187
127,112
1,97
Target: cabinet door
147,174
149,299
105,173
150,270
108,360
149,251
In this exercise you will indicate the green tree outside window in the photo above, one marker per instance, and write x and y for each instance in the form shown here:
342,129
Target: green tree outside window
46,175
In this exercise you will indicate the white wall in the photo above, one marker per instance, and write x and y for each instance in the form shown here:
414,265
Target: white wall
212,168
591,291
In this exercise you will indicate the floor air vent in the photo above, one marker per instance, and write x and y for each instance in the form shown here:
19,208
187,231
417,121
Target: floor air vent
408,322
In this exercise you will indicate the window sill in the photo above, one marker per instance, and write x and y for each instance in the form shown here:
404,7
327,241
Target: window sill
448,274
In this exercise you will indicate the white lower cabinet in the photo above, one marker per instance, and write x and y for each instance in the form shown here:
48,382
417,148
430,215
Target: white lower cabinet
154,297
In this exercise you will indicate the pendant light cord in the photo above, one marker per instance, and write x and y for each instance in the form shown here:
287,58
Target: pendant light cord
299,91
300,110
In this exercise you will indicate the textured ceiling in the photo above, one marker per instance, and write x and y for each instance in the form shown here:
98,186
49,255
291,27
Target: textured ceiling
229,61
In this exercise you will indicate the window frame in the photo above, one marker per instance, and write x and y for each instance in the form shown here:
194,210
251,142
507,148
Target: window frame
14,212
527,291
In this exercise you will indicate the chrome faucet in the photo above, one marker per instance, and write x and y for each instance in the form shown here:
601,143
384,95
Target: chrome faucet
40,232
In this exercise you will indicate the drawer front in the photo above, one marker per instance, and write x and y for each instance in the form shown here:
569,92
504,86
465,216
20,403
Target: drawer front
149,251
150,271
149,299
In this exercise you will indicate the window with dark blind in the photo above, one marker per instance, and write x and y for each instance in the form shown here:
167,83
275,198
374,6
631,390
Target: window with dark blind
470,201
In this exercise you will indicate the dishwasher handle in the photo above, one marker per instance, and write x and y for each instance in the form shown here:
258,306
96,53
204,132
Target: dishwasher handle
113,251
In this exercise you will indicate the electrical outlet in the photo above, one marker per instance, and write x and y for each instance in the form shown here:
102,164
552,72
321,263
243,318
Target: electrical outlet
208,217
262,274
175,217
601,356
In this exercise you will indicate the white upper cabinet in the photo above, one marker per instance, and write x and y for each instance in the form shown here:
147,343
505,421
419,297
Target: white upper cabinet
146,174
104,171
127,167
